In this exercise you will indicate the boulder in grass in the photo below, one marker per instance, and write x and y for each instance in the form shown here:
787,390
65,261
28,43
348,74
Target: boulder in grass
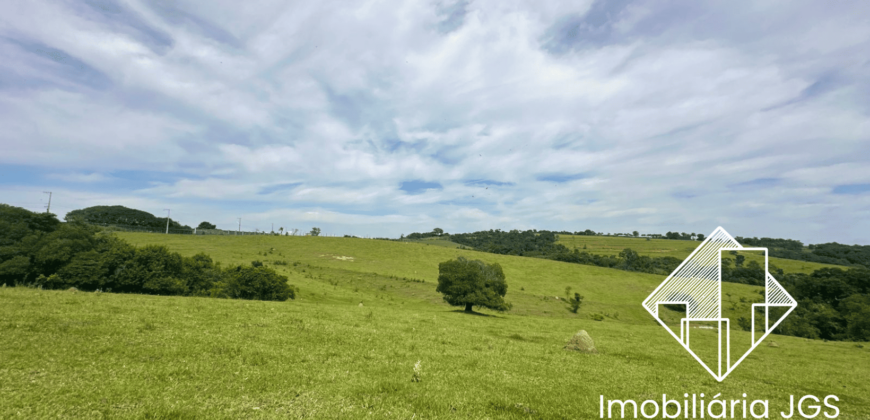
582,343
772,344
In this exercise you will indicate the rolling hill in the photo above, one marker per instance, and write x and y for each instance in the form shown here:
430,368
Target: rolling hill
366,313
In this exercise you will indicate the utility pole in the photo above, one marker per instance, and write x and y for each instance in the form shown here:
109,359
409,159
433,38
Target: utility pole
273,228
167,221
48,208
240,225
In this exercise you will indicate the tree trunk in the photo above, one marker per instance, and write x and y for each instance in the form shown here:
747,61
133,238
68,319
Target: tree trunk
468,307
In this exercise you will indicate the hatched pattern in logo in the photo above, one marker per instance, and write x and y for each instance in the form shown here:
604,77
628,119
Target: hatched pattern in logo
697,284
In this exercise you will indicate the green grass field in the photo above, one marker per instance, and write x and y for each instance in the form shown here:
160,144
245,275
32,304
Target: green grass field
607,245
366,313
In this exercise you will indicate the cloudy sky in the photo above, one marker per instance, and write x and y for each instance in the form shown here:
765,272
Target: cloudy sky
389,117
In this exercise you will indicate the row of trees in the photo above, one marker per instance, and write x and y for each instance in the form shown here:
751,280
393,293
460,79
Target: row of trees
433,234
37,249
527,243
542,244
627,260
588,232
120,215
829,253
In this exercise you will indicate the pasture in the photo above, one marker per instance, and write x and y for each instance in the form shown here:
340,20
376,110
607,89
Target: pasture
367,311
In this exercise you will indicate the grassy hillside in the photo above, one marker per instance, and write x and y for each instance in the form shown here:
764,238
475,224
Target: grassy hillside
605,245
536,286
323,355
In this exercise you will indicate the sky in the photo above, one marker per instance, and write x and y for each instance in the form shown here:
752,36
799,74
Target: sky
382,118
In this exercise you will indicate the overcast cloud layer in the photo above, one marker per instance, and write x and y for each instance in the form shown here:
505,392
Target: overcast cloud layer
388,117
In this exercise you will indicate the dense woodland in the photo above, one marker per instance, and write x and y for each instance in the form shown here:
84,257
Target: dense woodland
120,215
37,250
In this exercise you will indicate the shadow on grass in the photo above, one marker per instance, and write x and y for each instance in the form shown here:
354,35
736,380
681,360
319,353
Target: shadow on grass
462,311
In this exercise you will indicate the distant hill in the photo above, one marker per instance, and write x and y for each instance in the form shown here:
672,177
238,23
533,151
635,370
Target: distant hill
829,253
120,215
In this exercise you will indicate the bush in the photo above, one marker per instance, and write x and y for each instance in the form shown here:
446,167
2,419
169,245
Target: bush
85,272
259,283
574,302
596,317
201,274
154,270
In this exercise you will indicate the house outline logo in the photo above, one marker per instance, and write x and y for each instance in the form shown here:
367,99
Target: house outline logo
697,284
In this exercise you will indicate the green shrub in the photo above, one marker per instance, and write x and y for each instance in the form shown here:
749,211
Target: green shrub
596,317
154,270
85,271
260,283
574,302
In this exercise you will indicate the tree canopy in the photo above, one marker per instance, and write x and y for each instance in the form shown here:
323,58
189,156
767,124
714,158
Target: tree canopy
206,225
120,215
472,283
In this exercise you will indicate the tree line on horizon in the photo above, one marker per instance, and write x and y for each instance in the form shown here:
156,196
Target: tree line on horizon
827,253
515,242
120,215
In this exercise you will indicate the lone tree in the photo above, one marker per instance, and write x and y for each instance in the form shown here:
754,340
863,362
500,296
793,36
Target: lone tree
315,231
438,231
472,283
206,225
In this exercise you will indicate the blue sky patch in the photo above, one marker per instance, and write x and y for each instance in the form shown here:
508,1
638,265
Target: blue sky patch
453,16
758,182
278,187
419,187
561,178
488,182
851,189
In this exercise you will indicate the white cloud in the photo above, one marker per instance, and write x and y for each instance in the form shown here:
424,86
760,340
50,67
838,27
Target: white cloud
318,112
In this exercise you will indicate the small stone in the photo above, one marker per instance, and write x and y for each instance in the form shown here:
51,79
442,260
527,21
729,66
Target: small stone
581,342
